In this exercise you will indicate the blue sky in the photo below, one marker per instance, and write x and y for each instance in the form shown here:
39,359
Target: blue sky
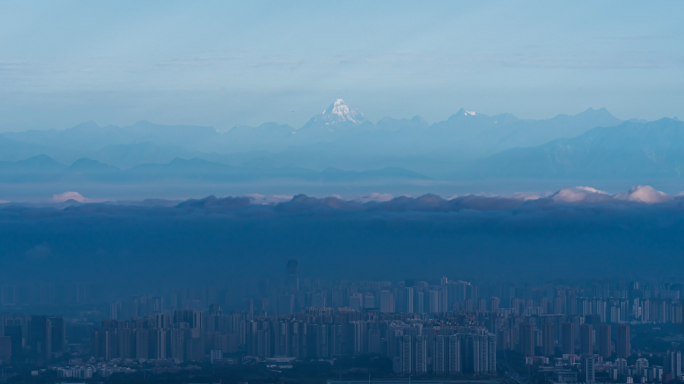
224,63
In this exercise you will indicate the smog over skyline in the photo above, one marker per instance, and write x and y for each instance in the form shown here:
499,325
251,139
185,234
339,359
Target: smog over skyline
474,192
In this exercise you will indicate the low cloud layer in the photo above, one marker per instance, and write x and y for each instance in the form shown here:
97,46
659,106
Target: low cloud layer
66,196
574,233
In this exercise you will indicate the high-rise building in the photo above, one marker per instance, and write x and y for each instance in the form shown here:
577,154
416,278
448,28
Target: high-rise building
433,301
454,348
605,349
478,353
198,321
125,343
588,369
494,303
318,300
594,320
421,355
163,320
15,334
293,275
356,301
623,346
621,365
386,301
286,304
673,364
40,337
58,334
586,339
640,364
103,343
568,338
360,337
405,366
440,354
159,343
5,349
419,302
408,299
548,339
142,343
177,343
214,309
527,339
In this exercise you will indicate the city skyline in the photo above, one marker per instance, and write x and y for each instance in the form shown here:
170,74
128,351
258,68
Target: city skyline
434,328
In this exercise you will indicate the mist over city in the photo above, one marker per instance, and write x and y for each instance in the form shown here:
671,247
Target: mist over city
385,192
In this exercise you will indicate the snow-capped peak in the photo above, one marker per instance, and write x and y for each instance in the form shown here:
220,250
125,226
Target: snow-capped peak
580,194
339,112
639,194
471,113
644,194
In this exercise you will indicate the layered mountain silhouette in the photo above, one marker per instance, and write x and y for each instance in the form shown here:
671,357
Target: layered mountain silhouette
43,168
631,149
468,144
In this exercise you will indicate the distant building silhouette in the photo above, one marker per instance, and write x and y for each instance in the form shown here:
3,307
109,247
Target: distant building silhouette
548,339
623,346
605,349
527,339
292,279
568,338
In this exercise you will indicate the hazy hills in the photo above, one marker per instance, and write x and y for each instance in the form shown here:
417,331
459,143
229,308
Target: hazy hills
340,137
466,145
631,149
42,168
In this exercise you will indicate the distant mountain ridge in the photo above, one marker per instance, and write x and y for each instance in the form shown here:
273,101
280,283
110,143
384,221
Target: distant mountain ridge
631,149
467,144
42,168
339,129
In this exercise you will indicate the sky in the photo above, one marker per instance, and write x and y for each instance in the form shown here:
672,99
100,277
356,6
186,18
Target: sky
222,63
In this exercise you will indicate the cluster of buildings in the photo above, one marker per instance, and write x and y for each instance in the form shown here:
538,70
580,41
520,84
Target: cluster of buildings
416,344
17,295
36,339
583,368
569,332
91,369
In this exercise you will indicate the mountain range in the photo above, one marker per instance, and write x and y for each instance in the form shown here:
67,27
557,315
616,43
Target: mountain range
42,168
632,149
341,143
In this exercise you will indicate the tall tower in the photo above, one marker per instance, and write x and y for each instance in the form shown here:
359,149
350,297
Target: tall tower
292,275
